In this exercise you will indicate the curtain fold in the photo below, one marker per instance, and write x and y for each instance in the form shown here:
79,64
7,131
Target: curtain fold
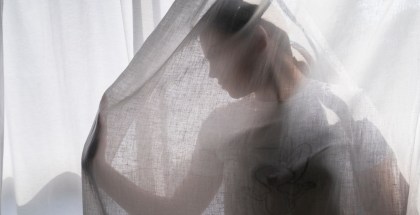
59,57
181,113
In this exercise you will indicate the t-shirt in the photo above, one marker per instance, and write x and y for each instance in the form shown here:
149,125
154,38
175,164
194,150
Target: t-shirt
304,156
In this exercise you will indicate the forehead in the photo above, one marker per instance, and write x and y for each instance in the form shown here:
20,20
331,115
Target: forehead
211,39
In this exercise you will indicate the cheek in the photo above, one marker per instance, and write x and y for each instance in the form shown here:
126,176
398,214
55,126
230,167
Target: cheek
232,69
224,66
243,69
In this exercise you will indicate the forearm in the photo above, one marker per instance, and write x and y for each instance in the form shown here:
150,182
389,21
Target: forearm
126,193
191,197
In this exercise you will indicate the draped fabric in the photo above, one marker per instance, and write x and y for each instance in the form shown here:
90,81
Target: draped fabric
59,58
263,107
1,91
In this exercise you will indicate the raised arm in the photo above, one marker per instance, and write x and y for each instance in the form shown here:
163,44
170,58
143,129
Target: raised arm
191,197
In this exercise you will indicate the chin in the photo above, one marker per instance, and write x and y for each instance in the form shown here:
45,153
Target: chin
236,95
235,92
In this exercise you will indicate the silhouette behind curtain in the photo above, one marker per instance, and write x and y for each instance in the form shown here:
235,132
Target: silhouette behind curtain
231,108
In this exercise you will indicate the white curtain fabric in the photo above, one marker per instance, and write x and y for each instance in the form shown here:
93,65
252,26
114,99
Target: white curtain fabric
59,57
2,91
169,139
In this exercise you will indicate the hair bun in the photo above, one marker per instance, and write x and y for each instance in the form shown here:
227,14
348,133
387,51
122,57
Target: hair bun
229,16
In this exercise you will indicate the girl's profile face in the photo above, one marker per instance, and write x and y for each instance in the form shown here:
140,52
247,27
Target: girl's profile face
231,63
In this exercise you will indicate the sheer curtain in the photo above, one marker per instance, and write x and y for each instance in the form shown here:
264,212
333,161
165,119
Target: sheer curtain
182,132
59,57
371,40
2,91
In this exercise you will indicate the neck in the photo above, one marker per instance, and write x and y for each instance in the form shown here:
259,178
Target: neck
281,86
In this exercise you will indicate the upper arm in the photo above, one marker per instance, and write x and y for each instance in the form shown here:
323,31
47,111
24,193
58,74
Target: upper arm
383,189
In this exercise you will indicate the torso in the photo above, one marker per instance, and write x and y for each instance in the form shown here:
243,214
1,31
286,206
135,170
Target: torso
293,142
